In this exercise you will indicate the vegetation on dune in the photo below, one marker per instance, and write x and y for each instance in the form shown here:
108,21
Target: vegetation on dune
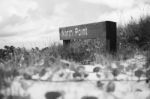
115,73
133,37
136,34
139,73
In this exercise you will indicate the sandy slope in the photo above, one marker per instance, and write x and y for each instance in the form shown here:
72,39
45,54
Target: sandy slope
76,90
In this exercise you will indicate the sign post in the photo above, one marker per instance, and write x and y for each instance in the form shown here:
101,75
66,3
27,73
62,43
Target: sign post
104,30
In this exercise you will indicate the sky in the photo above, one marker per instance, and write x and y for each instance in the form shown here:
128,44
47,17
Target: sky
31,23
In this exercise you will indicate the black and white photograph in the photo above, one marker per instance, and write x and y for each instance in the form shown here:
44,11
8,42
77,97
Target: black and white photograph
74,49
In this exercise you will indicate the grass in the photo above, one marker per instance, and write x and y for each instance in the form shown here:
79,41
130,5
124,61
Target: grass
133,39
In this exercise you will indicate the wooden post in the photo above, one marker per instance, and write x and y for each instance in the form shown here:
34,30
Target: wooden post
66,43
111,37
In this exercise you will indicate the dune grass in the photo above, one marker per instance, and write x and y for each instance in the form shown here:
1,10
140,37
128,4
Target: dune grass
133,38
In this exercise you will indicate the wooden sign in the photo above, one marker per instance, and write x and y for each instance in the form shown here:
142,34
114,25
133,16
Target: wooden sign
104,30
84,31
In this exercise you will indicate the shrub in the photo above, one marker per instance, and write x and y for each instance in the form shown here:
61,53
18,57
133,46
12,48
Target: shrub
96,69
89,97
135,35
76,74
82,50
138,73
110,86
148,74
1,96
53,95
7,75
115,72
99,84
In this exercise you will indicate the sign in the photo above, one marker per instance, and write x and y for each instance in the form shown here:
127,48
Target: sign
104,30
85,31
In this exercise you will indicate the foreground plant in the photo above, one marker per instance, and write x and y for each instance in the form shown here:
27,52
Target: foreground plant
138,73
115,73
110,86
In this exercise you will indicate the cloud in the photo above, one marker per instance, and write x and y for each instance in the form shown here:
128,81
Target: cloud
31,24
124,16
13,13
119,4
16,7
114,3
21,22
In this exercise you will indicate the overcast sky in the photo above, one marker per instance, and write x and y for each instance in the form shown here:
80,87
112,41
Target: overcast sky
31,23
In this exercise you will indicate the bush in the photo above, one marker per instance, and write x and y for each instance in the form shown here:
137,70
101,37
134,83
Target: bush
110,86
7,76
96,69
89,97
76,52
148,74
135,35
99,84
115,72
138,73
